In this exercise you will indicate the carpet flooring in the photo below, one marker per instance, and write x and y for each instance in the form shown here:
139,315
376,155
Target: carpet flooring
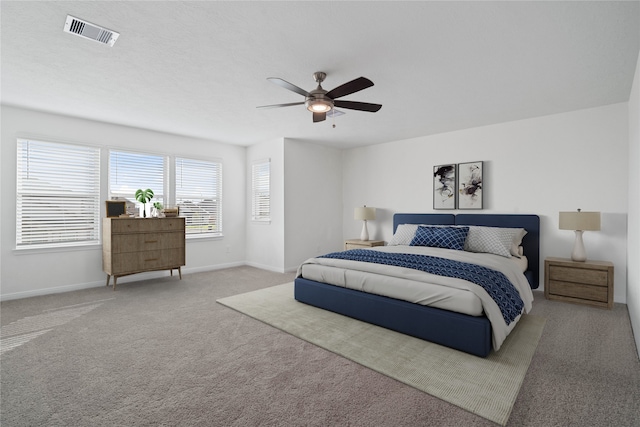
484,386
163,352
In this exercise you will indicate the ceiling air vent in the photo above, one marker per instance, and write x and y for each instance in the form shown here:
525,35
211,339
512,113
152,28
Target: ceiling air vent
90,31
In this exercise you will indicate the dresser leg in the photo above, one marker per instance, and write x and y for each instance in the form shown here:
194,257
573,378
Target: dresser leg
180,272
108,277
115,281
171,271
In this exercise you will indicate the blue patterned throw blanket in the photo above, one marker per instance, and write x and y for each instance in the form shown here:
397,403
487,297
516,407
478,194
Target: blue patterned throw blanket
493,282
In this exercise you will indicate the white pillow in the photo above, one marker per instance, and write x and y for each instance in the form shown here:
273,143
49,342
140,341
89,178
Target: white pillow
403,235
516,246
494,240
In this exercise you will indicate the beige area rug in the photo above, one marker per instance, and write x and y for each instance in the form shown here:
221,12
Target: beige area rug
486,387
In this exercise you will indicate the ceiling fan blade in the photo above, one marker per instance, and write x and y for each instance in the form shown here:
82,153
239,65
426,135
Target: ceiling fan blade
362,106
281,105
285,84
319,117
350,87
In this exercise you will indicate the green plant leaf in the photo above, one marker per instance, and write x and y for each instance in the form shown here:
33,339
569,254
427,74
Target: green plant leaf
143,196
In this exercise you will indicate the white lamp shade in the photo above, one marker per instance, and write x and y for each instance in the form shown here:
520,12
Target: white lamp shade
585,221
364,213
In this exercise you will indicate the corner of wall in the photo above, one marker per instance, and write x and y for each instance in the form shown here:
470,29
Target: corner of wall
633,215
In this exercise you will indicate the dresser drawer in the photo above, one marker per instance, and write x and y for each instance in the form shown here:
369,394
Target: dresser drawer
124,243
125,263
578,275
577,290
143,225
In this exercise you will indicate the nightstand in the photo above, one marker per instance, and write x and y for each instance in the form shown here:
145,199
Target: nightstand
359,244
589,282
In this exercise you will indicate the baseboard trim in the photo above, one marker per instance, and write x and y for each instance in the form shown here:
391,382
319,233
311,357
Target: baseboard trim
265,267
213,267
124,279
49,291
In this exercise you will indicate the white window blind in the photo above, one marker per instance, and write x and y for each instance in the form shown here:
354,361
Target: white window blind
199,195
129,172
260,186
58,195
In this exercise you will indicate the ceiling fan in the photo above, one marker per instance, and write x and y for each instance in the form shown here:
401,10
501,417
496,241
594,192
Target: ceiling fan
320,101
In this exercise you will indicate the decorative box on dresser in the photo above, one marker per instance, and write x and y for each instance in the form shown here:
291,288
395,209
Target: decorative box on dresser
136,245
589,282
359,244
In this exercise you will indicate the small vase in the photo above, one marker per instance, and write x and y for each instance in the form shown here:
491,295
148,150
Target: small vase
143,211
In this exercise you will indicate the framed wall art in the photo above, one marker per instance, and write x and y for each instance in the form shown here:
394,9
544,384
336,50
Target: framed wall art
470,185
444,187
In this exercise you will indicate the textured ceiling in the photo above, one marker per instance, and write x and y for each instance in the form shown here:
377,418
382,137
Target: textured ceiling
200,68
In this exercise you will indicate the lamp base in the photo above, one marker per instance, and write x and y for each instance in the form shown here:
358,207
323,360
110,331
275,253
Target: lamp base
365,233
579,254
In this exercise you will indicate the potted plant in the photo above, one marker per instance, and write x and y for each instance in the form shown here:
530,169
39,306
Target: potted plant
157,208
144,196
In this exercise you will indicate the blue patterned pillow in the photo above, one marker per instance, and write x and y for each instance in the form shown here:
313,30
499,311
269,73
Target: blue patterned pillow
441,237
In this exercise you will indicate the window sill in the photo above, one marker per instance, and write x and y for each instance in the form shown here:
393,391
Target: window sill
204,236
261,221
54,249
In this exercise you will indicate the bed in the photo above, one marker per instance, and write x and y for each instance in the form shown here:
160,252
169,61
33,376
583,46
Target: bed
471,333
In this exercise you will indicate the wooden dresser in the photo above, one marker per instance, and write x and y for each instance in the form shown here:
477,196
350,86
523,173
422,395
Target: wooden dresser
135,245
589,282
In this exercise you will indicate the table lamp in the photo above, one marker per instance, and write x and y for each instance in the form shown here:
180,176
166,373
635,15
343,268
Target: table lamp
579,221
364,214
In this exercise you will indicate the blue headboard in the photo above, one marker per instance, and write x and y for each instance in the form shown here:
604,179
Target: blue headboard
530,243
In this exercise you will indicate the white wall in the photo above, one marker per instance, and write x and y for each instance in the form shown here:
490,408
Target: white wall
26,273
313,201
536,166
306,204
633,257
265,241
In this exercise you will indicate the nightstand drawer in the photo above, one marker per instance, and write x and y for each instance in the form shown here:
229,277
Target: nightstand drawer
577,290
360,244
578,275
356,246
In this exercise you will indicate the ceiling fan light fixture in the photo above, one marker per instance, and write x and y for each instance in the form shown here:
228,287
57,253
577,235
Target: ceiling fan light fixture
319,106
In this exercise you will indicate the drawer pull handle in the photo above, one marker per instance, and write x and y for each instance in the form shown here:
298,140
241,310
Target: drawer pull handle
151,241
150,259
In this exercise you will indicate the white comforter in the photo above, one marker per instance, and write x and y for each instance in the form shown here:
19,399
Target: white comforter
495,262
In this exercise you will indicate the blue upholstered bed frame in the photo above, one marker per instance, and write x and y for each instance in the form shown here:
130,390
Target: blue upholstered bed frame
470,334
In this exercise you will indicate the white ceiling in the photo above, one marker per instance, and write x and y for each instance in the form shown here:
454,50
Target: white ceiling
200,68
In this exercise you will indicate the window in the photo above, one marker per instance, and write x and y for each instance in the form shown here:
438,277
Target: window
199,195
58,195
130,171
260,197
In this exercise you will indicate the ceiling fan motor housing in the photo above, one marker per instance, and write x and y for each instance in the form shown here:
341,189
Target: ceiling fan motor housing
318,102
